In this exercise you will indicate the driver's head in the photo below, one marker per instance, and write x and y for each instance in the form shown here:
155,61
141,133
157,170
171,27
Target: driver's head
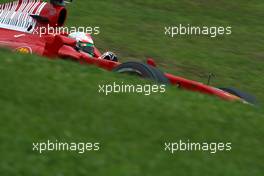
84,42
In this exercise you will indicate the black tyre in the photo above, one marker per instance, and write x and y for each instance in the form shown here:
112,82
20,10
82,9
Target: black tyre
142,70
245,96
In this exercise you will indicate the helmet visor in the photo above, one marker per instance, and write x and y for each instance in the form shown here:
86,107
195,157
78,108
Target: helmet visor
87,48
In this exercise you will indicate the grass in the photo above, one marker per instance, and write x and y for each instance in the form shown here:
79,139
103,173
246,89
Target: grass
43,99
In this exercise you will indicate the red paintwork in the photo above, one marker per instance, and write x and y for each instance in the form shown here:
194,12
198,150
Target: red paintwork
60,46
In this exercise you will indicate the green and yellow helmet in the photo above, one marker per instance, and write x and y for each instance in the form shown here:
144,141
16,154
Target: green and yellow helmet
84,42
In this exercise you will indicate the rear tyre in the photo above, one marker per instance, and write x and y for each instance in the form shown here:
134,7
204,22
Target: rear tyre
245,96
142,70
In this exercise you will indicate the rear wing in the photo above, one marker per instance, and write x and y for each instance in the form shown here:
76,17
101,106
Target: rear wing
28,15
16,15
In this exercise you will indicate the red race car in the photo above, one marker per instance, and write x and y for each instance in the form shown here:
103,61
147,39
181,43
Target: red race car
22,22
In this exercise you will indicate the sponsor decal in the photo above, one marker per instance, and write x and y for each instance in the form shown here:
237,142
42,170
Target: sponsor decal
24,50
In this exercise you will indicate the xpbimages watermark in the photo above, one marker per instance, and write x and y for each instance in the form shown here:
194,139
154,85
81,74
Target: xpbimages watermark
211,31
41,31
188,146
56,146
146,89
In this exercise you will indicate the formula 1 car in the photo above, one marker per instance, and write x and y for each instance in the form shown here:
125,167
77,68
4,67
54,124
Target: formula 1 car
19,24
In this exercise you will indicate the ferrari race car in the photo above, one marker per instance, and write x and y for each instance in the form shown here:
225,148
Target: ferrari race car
22,20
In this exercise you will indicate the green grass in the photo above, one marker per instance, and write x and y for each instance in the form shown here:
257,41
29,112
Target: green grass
43,99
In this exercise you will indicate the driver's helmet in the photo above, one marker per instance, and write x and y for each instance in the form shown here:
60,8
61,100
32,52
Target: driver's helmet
84,42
